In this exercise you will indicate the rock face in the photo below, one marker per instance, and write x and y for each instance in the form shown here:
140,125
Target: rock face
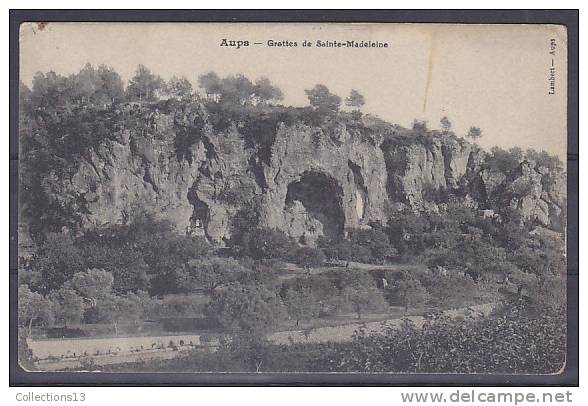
310,182
537,192
438,164
342,184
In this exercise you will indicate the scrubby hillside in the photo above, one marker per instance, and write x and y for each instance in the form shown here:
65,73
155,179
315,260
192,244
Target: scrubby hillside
204,165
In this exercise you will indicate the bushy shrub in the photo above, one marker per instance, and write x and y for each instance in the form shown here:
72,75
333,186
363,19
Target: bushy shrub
367,246
307,257
33,309
175,306
324,290
67,305
208,274
451,290
245,309
301,304
514,342
65,332
408,293
265,243
57,260
503,160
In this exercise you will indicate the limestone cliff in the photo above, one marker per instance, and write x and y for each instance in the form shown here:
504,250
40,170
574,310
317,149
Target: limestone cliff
310,180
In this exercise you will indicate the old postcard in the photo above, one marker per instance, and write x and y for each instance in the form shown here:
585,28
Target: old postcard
333,197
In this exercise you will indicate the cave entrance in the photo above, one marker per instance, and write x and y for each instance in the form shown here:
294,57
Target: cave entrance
322,199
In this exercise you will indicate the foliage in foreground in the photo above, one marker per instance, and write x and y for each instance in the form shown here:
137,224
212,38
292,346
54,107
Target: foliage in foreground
517,339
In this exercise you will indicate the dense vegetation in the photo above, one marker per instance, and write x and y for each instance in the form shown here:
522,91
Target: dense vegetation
144,270
519,338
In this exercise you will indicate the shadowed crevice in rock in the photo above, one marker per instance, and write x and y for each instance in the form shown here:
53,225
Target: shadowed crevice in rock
396,163
322,197
361,193
200,215
257,170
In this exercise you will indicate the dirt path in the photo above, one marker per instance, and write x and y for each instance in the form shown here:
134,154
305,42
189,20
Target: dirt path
344,333
293,271
73,348
125,346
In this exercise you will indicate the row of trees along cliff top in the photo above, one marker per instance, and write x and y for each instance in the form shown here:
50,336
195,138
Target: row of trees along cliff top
103,86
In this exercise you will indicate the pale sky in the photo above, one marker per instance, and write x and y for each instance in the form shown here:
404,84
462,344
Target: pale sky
495,77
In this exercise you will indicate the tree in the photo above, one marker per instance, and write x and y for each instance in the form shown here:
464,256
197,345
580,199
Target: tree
262,273
523,280
445,124
358,289
308,257
50,90
179,87
449,290
245,309
265,243
323,100
301,304
503,160
466,250
375,243
111,89
122,259
85,83
31,278
236,90
542,158
33,308
363,298
325,292
164,251
57,260
239,90
355,100
100,86
210,273
211,83
538,258
24,99
420,127
410,293
474,133
132,306
264,91
144,85
68,306
406,230
93,284
111,308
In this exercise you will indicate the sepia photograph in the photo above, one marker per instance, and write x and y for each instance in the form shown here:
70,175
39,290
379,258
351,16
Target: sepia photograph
358,198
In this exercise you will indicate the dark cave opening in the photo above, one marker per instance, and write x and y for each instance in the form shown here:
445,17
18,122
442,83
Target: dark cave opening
200,214
322,197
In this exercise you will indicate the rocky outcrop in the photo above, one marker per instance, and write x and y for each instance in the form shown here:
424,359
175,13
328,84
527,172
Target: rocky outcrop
349,176
536,192
311,182
440,163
